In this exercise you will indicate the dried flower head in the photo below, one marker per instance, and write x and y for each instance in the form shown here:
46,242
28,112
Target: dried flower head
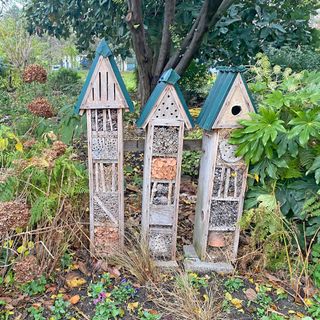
27,269
34,73
41,108
13,214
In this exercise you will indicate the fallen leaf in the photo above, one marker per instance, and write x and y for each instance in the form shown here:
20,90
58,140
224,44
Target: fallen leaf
6,299
308,302
132,306
251,294
237,303
228,296
74,280
205,297
75,299
83,268
114,272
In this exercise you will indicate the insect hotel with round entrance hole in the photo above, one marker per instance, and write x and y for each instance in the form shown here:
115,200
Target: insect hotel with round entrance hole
222,176
164,117
103,98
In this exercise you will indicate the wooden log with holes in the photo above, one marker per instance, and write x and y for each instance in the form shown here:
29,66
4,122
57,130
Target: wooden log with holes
103,98
164,117
222,176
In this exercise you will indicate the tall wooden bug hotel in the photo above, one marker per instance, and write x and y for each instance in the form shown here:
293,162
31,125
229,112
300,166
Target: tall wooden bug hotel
222,177
165,117
104,98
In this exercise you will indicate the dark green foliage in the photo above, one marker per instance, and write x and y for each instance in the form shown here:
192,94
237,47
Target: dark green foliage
65,80
281,144
35,287
247,26
303,58
190,163
196,82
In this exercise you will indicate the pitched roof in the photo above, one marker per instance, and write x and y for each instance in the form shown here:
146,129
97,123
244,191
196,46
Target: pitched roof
104,51
218,94
168,77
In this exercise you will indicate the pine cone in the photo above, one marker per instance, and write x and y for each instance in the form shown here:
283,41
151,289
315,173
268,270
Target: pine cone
34,73
41,108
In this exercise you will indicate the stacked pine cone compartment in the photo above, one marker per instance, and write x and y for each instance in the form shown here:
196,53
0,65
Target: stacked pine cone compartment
40,106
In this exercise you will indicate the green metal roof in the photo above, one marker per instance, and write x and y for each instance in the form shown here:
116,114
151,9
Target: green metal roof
104,50
218,95
168,77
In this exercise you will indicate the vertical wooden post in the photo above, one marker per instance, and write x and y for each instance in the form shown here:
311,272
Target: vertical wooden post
164,116
222,177
104,97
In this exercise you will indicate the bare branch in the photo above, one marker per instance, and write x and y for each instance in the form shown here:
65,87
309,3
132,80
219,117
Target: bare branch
164,51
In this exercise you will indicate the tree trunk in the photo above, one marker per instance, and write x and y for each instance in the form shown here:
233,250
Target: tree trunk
143,53
150,70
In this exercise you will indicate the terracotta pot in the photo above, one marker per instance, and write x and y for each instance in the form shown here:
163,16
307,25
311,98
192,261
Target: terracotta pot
216,239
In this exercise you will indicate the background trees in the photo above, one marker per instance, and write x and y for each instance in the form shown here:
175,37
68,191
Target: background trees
171,33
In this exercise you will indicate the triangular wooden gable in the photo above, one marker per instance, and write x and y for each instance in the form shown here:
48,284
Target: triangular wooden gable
168,106
103,90
237,106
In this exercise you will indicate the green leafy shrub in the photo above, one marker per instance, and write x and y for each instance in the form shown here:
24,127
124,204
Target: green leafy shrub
282,146
190,163
35,286
65,80
303,58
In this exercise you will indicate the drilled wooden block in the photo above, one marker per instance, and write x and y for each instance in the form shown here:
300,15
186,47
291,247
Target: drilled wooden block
168,108
165,141
164,168
223,215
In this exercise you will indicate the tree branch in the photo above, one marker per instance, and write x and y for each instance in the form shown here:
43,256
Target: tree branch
164,51
143,53
209,15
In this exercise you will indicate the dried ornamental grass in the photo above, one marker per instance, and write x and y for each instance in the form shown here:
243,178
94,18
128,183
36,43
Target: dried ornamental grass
13,214
34,73
184,301
41,108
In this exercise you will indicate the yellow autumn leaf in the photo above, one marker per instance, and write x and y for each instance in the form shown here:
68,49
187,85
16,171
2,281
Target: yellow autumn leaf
19,147
30,245
205,297
256,177
121,312
75,282
291,312
308,302
21,249
300,315
228,296
3,144
132,306
237,303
